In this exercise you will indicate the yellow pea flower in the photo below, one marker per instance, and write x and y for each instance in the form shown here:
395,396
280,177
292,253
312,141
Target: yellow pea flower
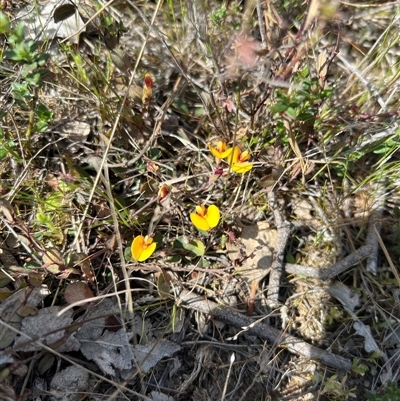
221,151
239,161
142,247
205,218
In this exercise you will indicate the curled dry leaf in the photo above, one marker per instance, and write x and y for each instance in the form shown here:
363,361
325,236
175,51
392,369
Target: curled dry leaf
35,279
43,22
112,352
53,261
121,59
95,319
52,182
7,210
12,304
111,242
49,329
89,16
259,241
148,355
67,272
63,12
83,261
77,291
73,377
27,310
163,284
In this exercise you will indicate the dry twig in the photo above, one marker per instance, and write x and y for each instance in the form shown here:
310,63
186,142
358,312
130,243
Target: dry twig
375,225
283,228
332,271
193,301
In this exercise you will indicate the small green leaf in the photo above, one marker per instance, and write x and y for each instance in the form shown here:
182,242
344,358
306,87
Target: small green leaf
158,239
46,363
291,112
174,259
290,259
4,23
196,247
181,106
203,263
199,112
278,108
128,253
179,243
43,113
3,153
163,287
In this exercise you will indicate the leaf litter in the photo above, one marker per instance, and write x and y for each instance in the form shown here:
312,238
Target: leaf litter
163,339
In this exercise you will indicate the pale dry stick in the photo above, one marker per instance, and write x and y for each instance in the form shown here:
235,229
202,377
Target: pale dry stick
375,225
28,375
325,274
294,345
62,356
283,228
295,147
261,24
388,258
368,5
279,84
303,271
198,20
312,12
364,82
248,12
386,367
347,199
228,376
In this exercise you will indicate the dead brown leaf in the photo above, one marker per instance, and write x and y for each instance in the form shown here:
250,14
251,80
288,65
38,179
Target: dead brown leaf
77,291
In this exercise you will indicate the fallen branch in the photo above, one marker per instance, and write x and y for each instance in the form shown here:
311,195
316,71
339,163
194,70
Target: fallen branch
325,274
283,228
193,301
